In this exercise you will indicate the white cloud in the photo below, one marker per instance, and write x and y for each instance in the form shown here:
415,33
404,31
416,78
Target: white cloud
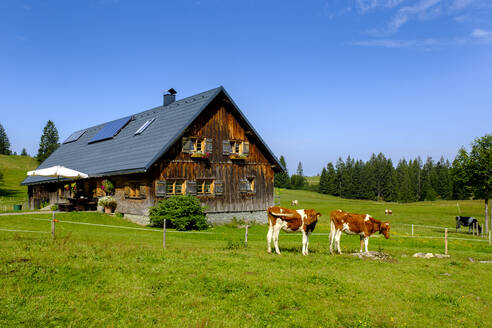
395,43
460,4
392,43
419,10
480,34
366,5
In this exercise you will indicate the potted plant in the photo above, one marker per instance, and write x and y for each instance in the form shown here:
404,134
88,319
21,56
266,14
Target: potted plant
72,188
107,186
108,202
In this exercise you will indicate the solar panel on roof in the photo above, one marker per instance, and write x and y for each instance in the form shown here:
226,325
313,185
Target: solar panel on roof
74,136
110,129
144,126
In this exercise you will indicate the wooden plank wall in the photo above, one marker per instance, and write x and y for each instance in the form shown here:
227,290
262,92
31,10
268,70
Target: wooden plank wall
219,122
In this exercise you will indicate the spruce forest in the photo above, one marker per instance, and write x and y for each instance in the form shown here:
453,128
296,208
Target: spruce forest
468,176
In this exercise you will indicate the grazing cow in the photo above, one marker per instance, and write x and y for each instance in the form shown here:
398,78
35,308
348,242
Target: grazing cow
290,221
467,221
355,224
294,202
388,212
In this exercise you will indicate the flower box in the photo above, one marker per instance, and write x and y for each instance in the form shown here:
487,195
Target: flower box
238,157
200,155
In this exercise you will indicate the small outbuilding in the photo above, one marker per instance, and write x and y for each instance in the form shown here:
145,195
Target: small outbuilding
202,145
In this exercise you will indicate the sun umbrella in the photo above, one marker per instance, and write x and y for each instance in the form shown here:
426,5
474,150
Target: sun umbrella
57,171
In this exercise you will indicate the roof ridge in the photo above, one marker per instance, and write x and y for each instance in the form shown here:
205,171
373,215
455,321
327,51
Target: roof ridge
139,114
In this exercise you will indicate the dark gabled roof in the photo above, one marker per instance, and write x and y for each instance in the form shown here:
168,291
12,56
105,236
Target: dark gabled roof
130,153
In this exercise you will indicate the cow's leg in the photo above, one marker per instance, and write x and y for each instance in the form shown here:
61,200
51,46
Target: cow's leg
269,238
366,243
338,235
361,242
307,242
276,232
332,236
304,243
457,225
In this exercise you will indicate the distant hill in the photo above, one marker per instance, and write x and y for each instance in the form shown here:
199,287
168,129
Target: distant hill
14,169
313,180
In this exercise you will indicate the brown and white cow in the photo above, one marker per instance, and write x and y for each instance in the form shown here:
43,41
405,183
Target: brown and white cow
355,224
280,218
388,212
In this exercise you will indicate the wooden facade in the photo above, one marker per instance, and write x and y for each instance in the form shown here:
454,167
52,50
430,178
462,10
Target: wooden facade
219,159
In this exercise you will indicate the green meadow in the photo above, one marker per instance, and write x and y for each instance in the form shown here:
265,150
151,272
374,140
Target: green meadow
97,276
14,170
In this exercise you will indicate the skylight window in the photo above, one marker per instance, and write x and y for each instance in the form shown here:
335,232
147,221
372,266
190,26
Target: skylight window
74,136
110,129
145,126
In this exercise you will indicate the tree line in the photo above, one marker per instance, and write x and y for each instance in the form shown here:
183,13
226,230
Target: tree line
468,176
47,145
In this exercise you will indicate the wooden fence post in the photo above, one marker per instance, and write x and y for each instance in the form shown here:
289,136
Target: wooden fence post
164,235
53,225
246,236
490,237
446,241
412,229
473,229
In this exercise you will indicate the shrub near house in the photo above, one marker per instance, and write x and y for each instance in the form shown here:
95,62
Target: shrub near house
181,212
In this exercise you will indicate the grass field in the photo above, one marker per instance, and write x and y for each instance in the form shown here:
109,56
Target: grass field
14,169
105,276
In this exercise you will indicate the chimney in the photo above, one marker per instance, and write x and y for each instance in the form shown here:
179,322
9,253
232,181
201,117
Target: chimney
169,97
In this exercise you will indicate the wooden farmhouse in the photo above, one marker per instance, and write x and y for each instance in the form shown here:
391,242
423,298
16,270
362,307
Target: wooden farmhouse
202,145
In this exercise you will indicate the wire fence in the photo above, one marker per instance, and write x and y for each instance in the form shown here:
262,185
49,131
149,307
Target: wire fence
411,231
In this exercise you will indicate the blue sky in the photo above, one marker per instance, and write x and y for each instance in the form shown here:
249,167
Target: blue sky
318,79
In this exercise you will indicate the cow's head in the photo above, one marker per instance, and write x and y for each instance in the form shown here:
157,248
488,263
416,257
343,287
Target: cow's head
385,229
312,216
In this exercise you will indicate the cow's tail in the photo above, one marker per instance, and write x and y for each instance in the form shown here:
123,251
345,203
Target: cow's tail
332,233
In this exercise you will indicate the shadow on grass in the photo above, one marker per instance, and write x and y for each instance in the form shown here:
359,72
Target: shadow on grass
8,192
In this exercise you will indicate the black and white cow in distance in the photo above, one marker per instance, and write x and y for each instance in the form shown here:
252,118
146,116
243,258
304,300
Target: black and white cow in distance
467,221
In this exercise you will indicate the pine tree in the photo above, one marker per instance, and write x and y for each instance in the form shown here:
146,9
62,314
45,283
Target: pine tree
297,181
347,179
444,185
323,182
340,168
49,141
404,183
429,180
24,152
461,189
479,170
299,170
4,142
282,179
331,188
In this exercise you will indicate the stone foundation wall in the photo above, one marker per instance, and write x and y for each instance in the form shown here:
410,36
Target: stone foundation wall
138,219
221,218
213,218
